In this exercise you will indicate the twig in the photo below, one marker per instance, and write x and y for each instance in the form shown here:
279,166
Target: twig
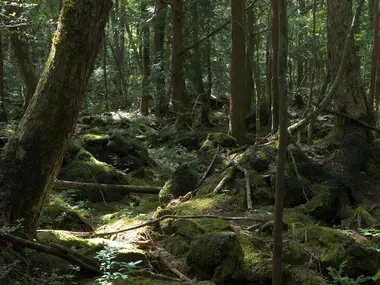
53,251
173,269
297,173
155,221
247,183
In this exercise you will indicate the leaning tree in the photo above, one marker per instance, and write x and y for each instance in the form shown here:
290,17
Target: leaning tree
32,158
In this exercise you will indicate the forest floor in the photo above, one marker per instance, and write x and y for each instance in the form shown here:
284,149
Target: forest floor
200,228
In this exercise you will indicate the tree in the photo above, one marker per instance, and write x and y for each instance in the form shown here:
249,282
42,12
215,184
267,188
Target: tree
375,58
281,156
274,53
237,98
158,58
144,107
33,157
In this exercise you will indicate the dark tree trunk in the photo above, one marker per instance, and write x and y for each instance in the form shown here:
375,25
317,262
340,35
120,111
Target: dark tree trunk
32,159
274,48
144,107
375,58
159,62
281,157
237,98
179,98
249,89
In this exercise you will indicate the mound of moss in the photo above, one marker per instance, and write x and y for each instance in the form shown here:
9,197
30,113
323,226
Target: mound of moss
217,256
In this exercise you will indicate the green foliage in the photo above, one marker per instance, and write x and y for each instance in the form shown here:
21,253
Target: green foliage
12,228
340,278
109,266
370,232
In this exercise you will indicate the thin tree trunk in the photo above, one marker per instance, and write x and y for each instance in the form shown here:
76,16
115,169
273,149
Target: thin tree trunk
375,58
274,48
144,107
32,159
106,95
3,113
249,89
281,158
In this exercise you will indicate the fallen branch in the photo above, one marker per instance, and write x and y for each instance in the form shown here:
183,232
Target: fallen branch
182,276
63,185
207,171
356,120
156,221
247,183
56,252
227,178
86,259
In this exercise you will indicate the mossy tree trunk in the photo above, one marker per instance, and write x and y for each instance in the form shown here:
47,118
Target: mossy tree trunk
348,98
144,106
33,157
274,52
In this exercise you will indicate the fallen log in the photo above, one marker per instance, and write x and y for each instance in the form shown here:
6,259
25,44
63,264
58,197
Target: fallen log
63,185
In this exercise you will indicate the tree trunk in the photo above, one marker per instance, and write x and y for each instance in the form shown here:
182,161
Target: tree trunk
22,54
281,157
144,107
348,98
179,98
3,113
161,107
237,98
32,159
375,58
249,89
274,48
105,77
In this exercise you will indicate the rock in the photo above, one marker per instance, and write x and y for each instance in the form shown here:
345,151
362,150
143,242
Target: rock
217,139
217,256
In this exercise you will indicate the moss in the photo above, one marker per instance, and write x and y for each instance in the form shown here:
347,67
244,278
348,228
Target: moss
201,205
64,239
166,193
361,260
95,139
257,268
184,179
214,225
216,255
302,275
367,220
217,139
376,278
176,245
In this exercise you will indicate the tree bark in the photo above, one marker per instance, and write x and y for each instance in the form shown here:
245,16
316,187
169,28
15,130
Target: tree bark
374,59
249,89
281,157
237,98
161,107
274,52
3,113
144,107
22,54
32,159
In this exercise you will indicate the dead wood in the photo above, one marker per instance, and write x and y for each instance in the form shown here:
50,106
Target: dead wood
63,185
247,183
156,221
65,254
172,268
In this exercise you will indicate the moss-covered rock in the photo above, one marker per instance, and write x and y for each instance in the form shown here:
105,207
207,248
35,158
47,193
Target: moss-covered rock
176,245
257,268
259,161
217,256
57,214
217,139
124,153
166,193
301,275
86,168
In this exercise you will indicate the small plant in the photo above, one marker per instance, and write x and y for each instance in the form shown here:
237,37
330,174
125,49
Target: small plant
340,278
370,232
12,228
109,266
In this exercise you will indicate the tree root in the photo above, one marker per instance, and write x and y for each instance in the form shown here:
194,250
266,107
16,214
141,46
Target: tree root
174,270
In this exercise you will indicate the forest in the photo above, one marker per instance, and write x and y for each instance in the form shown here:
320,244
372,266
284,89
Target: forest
206,142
